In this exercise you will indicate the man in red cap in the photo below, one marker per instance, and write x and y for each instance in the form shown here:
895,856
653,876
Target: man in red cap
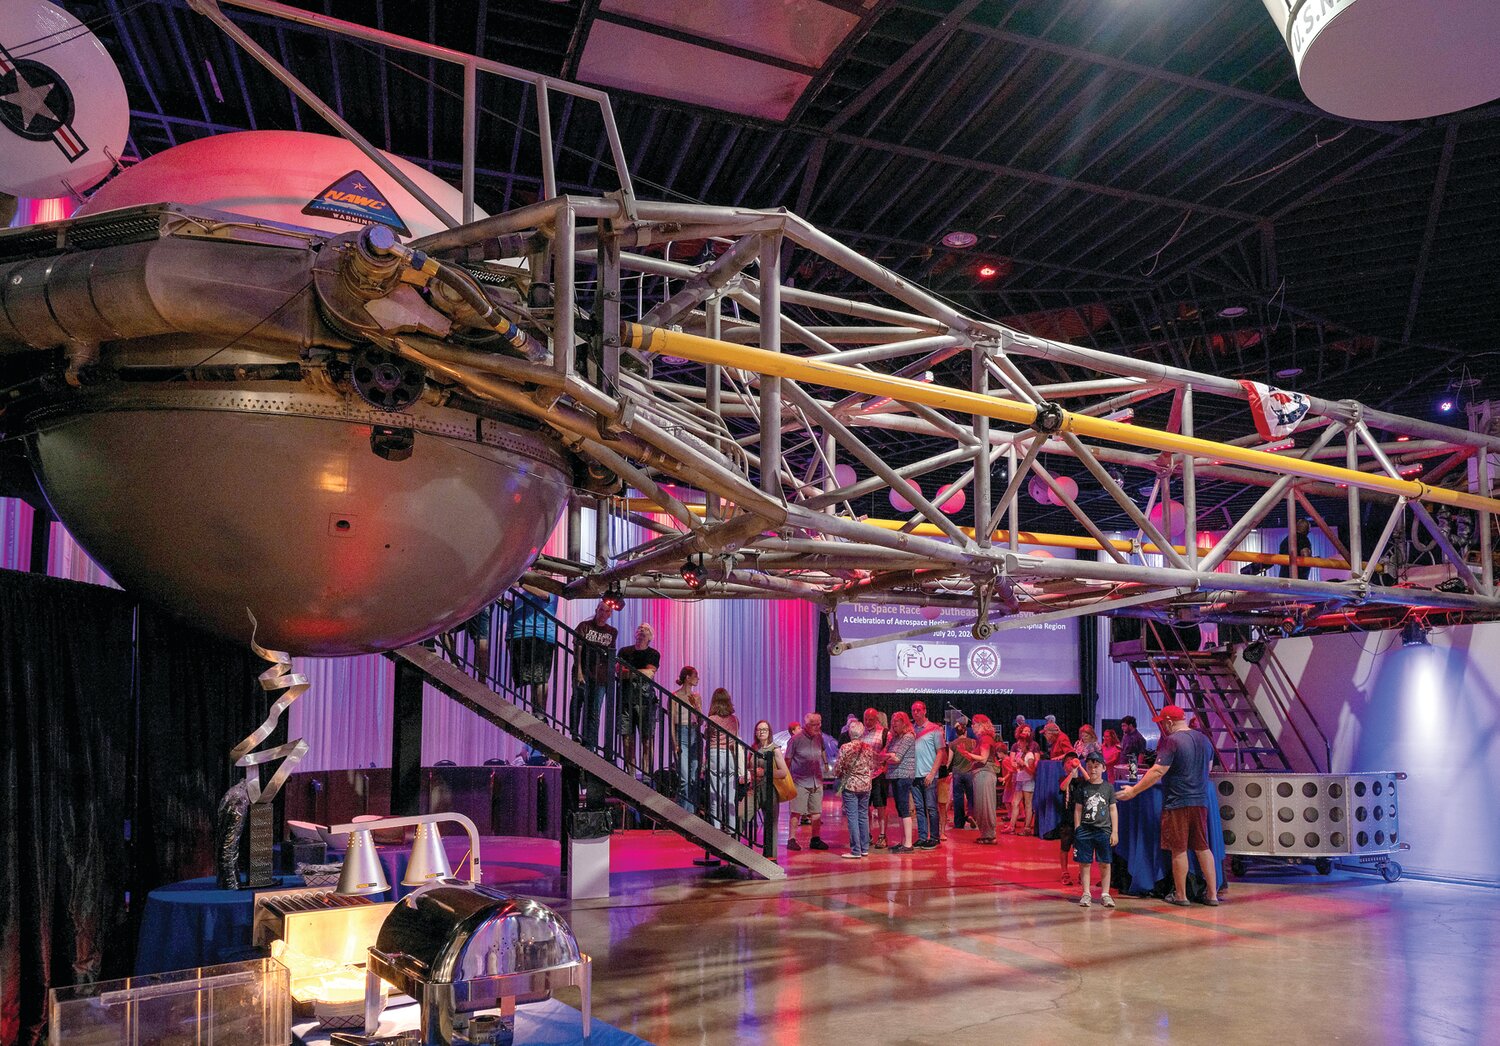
1183,759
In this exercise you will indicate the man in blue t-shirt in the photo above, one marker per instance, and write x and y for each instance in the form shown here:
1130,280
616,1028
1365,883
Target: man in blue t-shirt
1183,760
531,637
931,750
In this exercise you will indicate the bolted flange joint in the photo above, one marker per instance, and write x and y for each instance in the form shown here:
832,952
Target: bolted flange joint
1049,418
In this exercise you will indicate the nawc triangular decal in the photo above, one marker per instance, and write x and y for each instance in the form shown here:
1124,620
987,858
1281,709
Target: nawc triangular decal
355,198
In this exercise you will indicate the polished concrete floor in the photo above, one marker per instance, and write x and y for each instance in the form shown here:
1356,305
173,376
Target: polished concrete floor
982,944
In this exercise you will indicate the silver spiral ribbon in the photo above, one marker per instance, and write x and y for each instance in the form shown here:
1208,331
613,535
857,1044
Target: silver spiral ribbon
292,685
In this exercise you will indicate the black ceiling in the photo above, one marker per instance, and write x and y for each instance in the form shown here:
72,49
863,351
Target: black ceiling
1131,170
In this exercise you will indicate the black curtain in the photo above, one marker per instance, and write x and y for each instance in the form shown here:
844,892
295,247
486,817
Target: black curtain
115,727
65,690
198,698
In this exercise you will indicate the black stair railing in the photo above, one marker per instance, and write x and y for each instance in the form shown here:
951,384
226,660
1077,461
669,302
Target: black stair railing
626,718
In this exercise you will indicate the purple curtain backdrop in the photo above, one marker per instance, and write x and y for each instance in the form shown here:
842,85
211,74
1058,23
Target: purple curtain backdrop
762,651
15,534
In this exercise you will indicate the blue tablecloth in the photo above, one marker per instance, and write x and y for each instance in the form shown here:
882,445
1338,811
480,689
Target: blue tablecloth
194,923
1048,800
549,1023
1139,849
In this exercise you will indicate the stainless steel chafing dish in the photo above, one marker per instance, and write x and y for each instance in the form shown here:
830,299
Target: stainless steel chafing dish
457,948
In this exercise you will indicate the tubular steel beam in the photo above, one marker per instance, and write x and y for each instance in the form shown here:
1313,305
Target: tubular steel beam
1025,566
1044,539
770,390
820,372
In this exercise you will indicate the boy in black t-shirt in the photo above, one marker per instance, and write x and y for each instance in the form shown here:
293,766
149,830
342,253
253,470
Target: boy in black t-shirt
1096,828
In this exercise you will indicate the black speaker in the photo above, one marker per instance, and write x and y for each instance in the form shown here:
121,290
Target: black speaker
292,853
588,824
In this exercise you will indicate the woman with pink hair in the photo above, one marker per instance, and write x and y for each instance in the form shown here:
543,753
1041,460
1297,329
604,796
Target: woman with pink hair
1110,749
985,758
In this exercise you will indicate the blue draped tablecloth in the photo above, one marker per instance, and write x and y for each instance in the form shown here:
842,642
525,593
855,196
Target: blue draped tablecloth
1048,800
1139,849
548,1023
194,923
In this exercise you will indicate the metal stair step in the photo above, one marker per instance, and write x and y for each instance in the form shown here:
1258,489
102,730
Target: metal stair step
521,723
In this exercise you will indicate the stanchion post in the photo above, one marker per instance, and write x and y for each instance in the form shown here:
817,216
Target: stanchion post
768,804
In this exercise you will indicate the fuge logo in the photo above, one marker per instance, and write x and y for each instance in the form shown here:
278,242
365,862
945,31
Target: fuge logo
928,660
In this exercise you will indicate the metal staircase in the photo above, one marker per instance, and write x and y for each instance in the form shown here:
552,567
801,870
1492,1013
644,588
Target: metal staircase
1204,683
706,809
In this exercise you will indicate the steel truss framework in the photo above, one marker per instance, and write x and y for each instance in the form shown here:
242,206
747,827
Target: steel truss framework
734,462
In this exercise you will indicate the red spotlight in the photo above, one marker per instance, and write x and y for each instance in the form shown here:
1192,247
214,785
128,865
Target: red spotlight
987,271
614,599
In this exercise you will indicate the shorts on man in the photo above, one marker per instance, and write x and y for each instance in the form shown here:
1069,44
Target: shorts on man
1185,828
638,711
809,798
531,660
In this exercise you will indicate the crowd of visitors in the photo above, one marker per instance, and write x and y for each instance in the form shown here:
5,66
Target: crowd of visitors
934,778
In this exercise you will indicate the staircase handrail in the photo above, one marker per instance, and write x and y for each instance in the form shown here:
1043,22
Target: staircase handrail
1283,707
720,802
1201,703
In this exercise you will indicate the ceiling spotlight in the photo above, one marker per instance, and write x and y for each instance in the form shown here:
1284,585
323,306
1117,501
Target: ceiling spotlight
960,240
1446,405
1232,312
614,599
692,574
1289,372
1414,633
987,271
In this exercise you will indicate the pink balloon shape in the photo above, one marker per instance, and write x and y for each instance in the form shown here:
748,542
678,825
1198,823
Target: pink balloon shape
955,502
1179,518
1068,485
1039,491
843,475
899,503
932,613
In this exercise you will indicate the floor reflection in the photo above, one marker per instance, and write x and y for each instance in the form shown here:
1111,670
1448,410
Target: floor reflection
973,943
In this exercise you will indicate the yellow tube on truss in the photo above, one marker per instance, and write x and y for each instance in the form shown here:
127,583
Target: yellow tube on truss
838,376
1074,541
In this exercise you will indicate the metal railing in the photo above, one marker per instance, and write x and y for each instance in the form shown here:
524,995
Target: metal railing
625,718
1278,700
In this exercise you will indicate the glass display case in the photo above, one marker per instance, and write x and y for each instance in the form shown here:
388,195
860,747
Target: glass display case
236,1004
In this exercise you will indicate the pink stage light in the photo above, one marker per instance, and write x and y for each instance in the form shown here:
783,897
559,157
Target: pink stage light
38,212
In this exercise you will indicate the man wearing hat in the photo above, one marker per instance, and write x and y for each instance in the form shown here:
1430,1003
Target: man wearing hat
1183,759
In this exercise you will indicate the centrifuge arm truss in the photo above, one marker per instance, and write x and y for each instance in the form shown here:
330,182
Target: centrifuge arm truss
793,377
